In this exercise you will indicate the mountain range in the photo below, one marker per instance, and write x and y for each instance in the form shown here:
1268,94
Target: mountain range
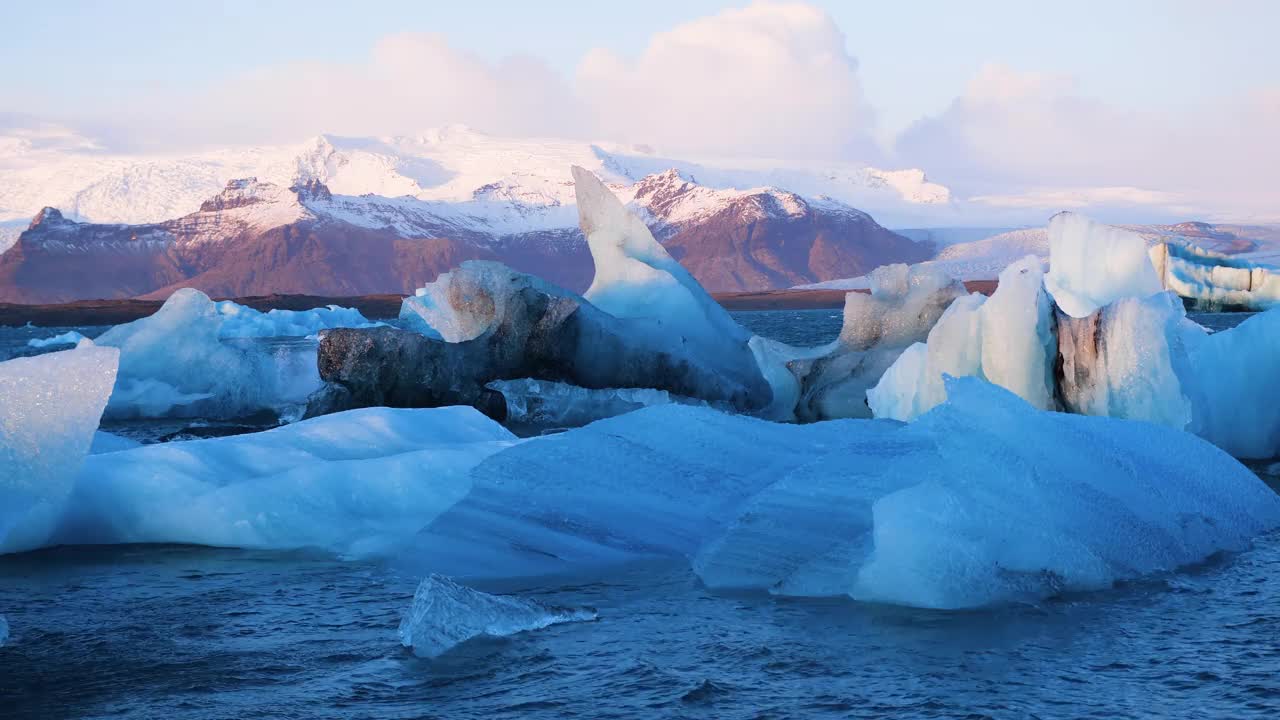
354,216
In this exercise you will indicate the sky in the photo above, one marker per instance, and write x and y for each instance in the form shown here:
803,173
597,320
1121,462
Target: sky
1001,99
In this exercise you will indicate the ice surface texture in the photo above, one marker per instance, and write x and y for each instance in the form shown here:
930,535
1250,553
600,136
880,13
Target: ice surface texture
349,482
986,500
240,321
1215,281
445,614
50,406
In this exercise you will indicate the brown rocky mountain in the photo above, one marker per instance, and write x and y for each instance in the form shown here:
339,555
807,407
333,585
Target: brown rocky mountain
256,239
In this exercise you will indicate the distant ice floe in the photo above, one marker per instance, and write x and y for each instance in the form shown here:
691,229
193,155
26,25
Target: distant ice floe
445,614
70,337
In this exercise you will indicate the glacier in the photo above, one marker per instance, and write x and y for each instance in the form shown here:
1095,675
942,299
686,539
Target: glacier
51,408
445,614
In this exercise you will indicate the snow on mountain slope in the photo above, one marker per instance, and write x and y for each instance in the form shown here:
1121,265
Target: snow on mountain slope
506,183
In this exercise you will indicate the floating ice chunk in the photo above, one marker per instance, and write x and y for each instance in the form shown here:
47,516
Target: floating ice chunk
240,321
1026,504
904,306
985,501
50,406
70,337
175,363
636,277
1233,381
1091,265
1007,339
445,614
351,482
105,442
499,324
1215,281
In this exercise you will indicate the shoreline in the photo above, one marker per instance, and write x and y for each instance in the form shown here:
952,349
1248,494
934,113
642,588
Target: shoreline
378,307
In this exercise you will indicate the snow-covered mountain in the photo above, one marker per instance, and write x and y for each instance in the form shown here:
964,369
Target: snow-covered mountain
504,185
258,237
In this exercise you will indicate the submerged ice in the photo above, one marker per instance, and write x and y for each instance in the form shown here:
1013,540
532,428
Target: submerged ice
445,614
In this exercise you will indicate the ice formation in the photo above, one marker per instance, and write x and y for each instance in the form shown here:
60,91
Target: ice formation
1215,281
986,500
1232,380
445,614
1092,264
494,323
4,631
70,337
241,321
50,409
904,304
352,483
175,362
636,277
1008,339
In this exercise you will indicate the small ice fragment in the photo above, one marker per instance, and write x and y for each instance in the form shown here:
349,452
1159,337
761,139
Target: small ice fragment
446,614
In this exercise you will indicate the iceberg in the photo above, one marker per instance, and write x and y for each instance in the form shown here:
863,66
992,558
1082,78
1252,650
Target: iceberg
1008,339
70,337
51,407
445,614
353,483
527,328
903,306
986,500
1026,504
636,277
1213,281
1232,380
240,321
175,363
1091,265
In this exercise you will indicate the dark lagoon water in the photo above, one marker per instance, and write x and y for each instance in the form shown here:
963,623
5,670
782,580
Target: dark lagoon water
188,632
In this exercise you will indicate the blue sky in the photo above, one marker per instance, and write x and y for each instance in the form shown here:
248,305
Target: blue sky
1150,100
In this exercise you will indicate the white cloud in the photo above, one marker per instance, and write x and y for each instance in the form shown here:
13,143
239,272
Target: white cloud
1025,135
771,78
409,82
